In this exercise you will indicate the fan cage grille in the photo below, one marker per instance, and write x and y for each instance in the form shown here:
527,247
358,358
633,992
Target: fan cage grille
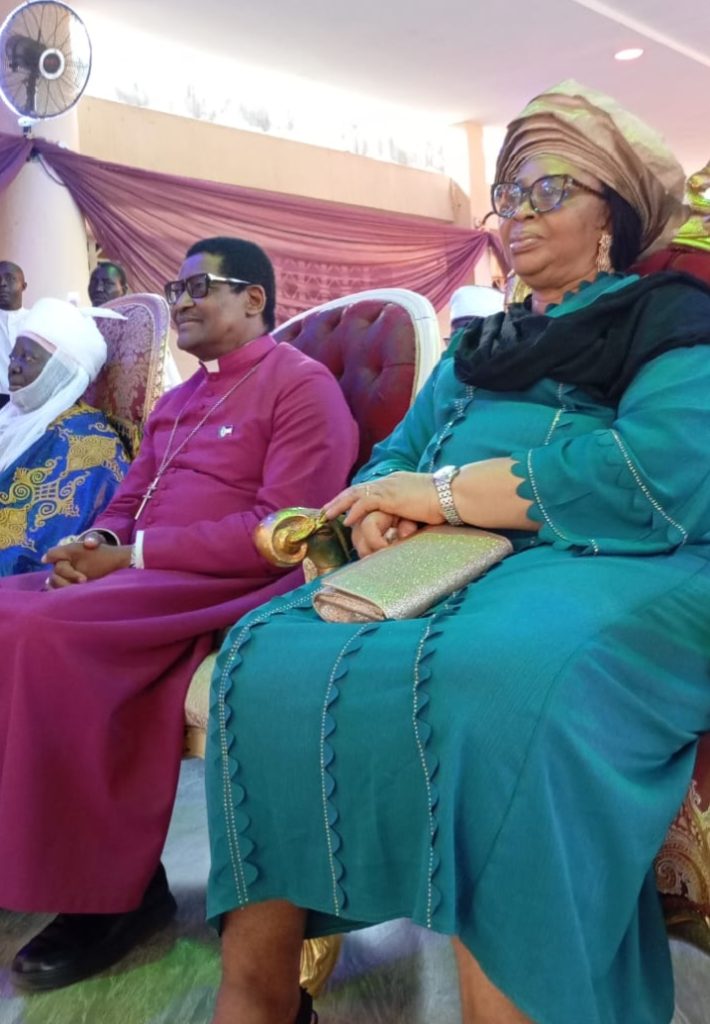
45,59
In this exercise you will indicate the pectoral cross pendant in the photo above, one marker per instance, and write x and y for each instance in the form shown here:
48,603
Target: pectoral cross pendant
146,497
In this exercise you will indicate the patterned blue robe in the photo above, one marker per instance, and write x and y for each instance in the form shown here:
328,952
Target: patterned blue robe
58,486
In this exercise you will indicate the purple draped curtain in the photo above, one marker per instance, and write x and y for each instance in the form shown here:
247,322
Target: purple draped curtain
321,250
14,152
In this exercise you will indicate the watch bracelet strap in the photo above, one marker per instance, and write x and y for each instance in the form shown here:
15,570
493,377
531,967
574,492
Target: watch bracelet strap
446,501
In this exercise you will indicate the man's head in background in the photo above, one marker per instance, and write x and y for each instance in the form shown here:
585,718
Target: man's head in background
12,285
108,281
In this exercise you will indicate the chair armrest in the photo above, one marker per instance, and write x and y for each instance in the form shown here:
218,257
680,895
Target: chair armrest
287,537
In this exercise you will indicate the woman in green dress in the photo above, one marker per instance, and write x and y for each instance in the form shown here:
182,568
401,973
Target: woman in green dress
504,768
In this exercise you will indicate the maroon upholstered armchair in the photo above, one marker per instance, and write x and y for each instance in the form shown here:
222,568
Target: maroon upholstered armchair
381,346
677,257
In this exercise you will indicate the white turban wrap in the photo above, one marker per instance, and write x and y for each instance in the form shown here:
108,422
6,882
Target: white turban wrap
475,300
78,353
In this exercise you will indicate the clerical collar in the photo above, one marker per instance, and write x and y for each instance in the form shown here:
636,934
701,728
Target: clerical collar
245,354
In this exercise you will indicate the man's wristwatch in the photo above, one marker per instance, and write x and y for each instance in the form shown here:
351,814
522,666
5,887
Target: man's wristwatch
442,481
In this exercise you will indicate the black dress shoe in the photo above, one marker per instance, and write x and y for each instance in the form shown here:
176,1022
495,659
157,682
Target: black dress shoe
75,946
306,1013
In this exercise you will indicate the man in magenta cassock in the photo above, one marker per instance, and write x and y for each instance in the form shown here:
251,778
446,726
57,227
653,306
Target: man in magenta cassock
99,653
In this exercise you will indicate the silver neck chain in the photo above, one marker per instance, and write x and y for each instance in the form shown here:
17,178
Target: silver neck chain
169,456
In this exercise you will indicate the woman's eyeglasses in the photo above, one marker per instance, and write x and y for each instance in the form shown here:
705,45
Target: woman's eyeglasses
197,286
544,195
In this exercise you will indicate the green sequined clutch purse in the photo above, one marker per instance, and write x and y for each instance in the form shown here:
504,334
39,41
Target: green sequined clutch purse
405,579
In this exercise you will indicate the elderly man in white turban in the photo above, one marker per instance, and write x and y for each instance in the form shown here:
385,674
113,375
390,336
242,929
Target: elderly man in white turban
60,460
472,301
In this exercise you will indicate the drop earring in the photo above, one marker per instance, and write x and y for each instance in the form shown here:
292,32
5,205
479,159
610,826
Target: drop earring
604,265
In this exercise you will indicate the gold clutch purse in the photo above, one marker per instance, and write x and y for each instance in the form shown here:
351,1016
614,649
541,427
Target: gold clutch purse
403,580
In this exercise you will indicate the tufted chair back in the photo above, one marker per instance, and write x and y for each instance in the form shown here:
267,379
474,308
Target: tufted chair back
381,346
677,257
132,379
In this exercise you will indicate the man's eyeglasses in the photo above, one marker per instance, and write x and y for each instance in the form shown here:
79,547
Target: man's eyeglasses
544,195
197,286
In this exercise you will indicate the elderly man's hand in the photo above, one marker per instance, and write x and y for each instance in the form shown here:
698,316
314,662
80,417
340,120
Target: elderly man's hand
84,560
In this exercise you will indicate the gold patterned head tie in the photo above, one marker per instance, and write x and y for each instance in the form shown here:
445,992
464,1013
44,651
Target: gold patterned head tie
595,134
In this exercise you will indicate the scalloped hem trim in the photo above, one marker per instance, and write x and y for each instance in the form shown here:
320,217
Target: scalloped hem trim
233,847
422,737
327,757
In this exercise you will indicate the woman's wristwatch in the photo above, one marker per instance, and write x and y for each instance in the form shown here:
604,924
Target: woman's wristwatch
442,481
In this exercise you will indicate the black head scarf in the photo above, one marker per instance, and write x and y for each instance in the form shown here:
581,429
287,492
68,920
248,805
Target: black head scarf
599,348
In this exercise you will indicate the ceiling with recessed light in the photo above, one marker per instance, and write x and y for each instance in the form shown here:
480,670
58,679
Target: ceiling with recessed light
461,59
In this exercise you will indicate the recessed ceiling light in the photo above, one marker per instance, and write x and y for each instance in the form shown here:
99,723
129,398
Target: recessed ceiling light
631,54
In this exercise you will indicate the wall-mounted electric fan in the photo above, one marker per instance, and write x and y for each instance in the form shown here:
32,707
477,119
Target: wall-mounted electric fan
45,59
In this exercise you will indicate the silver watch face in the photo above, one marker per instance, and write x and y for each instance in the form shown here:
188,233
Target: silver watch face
442,481
445,474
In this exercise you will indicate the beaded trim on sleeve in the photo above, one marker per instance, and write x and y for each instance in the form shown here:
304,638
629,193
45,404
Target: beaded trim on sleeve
655,505
546,515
